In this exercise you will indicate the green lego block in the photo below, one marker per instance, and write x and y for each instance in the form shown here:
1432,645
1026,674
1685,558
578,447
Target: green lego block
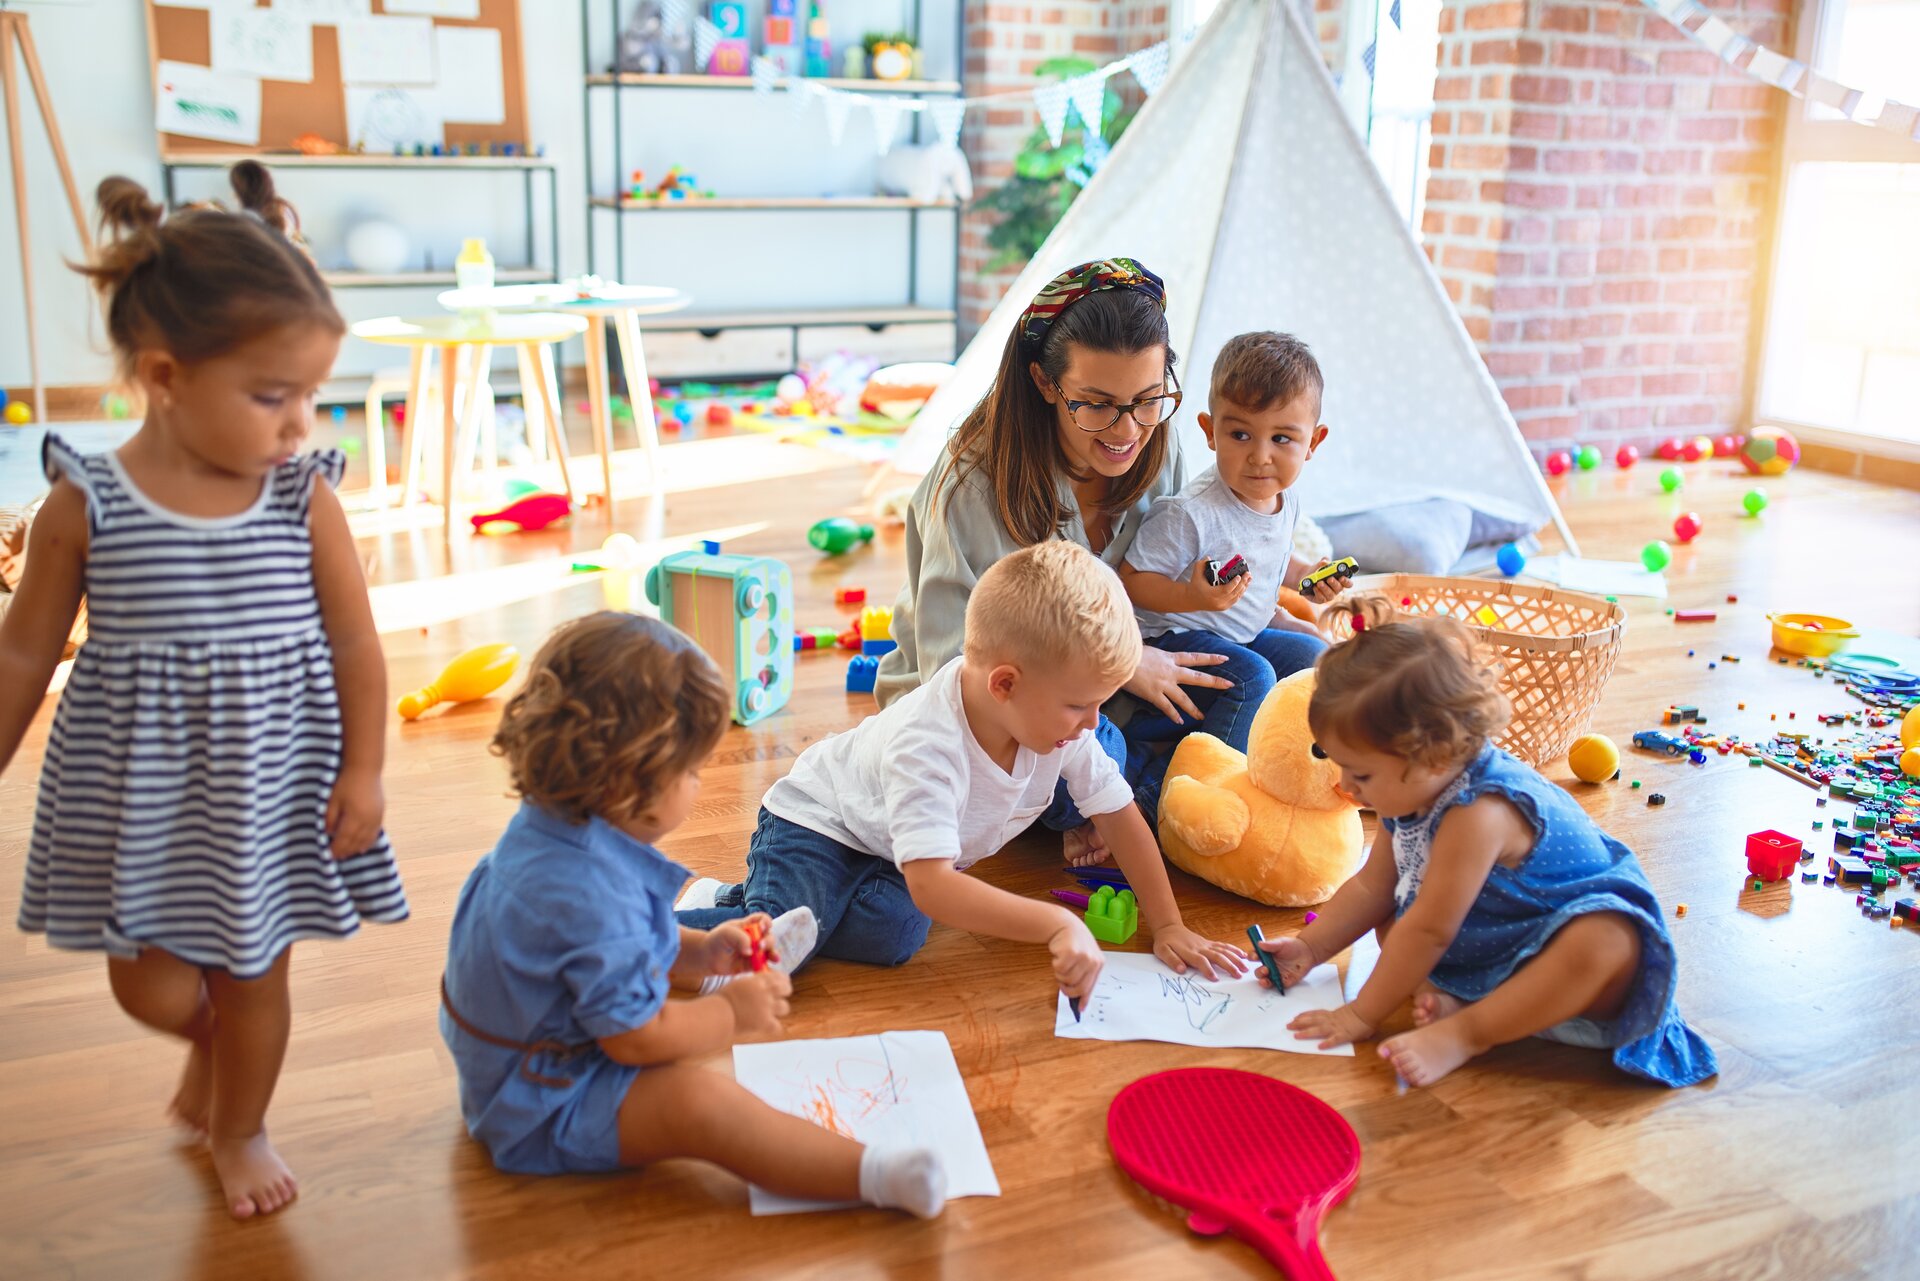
1110,917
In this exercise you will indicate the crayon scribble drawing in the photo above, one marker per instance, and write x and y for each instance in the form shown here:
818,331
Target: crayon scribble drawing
1140,999
1200,1003
857,1090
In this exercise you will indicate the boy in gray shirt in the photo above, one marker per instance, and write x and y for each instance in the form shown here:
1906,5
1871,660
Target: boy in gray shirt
1263,425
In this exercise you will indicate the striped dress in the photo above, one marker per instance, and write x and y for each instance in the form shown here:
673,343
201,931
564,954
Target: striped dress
183,799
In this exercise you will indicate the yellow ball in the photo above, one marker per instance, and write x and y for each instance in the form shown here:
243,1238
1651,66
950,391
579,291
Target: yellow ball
1593,758
1910,762
18,411
1910,728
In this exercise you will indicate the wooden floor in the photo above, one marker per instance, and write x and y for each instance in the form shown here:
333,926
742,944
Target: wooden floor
1537,1161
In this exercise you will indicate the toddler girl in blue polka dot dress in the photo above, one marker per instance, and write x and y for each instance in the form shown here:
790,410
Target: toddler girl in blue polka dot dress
1502,910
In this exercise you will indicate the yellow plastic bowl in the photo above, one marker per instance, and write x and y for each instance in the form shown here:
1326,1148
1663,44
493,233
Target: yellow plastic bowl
1790,633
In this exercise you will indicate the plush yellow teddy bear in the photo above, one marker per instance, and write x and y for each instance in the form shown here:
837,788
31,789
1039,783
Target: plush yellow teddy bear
1270,825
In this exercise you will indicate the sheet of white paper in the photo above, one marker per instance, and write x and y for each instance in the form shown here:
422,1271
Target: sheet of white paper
383,119
1140,999
324,12
201,103
387,51
899,1089
436,8
1598,577
1361,958
262,42
472,80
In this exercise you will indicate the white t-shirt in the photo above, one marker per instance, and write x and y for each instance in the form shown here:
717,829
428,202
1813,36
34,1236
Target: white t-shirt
1206,519
912,782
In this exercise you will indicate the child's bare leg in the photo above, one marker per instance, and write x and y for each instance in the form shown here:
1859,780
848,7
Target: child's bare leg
169,995
1585,970
681,1111
249,1044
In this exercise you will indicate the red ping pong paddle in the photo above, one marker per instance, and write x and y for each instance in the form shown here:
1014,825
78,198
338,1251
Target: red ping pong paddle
1241,1153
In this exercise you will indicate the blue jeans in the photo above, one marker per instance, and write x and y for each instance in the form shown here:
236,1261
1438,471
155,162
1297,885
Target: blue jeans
865,911
1227,714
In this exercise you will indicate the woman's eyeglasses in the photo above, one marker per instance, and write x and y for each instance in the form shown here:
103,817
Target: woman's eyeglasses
1097,415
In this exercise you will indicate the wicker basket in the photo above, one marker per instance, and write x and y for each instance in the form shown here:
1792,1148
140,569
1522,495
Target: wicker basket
1556,648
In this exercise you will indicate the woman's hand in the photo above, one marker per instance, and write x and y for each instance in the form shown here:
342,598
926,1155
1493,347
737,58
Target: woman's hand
1215,597
1158,678
354,811
1335,1027
728,947
1180,949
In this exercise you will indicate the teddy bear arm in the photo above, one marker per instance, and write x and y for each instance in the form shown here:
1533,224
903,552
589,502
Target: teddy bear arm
1209,820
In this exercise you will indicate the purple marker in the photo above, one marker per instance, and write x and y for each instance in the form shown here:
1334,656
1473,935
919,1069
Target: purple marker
1074,897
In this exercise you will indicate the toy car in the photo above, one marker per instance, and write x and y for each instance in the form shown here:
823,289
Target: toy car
1232,568
1345,567
1654,741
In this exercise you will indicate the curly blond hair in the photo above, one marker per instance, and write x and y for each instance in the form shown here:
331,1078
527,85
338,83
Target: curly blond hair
1050,602
615,707
1417,687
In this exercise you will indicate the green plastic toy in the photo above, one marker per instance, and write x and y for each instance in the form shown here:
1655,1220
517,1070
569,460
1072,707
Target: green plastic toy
837,534
1112,918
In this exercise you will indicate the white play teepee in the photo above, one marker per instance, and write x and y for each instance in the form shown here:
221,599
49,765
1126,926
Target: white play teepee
1243,185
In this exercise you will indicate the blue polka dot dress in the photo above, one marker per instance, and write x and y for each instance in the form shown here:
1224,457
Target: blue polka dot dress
183,799
1574,868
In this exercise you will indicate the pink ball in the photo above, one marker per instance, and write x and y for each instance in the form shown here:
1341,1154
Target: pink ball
1558,462
1692,452
1669,449
1727,446
1687,527
1626,457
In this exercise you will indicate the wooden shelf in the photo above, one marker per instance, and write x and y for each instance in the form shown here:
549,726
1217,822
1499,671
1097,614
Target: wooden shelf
411,279
799,317
696,205
349,160
636,80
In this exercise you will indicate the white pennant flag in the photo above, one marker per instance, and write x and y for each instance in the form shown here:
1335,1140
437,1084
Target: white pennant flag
1149,67
799,96
1051,98
705,37
766,75
838,105
886,120
948,115
1088,95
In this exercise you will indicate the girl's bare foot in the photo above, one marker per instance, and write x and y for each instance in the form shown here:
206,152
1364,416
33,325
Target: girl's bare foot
1083,846
1432,1005
1426,1054
254,1178
195,1095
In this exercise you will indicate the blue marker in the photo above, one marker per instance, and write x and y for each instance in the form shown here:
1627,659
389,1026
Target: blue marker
1267,959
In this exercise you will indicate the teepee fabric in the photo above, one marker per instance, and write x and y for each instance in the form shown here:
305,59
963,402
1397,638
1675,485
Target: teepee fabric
1242,184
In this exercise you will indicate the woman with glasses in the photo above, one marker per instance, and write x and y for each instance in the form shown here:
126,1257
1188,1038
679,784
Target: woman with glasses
1074,440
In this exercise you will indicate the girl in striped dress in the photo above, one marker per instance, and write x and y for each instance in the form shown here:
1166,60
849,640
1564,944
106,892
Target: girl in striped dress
211,789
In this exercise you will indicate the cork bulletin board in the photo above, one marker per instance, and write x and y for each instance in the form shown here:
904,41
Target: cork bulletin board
288,109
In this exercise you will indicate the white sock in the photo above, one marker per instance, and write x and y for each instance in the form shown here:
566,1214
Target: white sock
704,892
910,1179
794,933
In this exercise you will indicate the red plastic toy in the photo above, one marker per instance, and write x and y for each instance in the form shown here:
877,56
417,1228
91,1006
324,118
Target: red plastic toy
530,511
1241,1153
1686,527
1771,855
1558,462
1626,457
849,595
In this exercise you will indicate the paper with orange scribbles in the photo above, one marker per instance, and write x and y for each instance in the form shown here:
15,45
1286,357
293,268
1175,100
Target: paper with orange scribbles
896,1090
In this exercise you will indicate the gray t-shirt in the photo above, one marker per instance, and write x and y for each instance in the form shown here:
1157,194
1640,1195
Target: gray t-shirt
1206,519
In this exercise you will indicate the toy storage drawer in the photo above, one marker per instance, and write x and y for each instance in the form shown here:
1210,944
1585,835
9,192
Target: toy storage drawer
889,344
694,353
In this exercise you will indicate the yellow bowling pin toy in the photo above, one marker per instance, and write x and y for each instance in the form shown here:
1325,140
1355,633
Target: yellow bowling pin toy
475,674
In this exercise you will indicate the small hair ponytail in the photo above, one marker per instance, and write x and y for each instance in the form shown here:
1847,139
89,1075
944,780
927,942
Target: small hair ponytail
253,187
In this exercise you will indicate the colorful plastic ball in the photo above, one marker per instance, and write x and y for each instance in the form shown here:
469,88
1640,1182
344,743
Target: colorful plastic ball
1670,479
1588,458
683,413
1510,559
1910,727
1686,527
719,415
1910,762
1770,451
1656,555
116,407
1593,758
1558,462
1727,446
1626,456
1669,449
1697,448
18,412
1755,501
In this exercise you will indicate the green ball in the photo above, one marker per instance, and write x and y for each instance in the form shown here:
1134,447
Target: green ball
519,489
1670,479
1656,555
1755,501
1588,458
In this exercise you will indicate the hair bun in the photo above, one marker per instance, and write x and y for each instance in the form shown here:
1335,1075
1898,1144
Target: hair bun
126,207
253,186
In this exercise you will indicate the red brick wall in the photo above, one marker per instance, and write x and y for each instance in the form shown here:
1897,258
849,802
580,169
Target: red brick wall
1598,208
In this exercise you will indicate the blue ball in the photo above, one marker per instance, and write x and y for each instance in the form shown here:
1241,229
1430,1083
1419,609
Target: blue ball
1510,559
339,413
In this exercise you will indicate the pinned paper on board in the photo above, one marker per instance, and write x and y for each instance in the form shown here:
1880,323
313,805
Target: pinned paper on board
472,84
1139,999
382,119
435,8
387,51
325,12
896,1090
197,102
261,42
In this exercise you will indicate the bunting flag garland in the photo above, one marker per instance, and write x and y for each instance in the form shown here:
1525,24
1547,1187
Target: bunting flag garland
1088,95
1394,13
1051,98
948,115
766,75
1149,67
1369,55
886,121
838,105
705,37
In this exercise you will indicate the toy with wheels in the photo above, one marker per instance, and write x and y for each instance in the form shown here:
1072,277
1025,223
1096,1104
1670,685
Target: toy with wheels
739,609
